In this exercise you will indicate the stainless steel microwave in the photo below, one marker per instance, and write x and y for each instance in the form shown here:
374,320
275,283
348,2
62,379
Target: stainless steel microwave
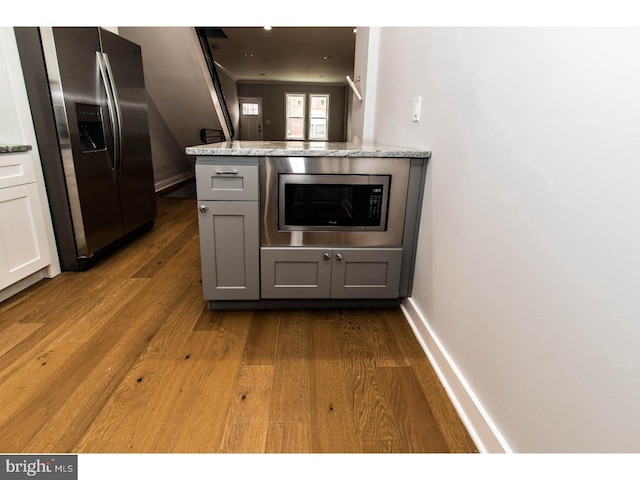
333,201
325,202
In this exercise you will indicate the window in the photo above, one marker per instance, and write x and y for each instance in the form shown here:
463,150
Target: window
317,118
295,116
250,109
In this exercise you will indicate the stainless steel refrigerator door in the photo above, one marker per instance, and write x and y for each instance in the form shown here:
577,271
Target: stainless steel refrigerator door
135,170
77,88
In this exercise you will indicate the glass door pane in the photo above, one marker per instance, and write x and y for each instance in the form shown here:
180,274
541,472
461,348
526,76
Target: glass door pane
319,117
295,116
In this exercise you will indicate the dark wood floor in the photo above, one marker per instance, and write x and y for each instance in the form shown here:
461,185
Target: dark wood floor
126,358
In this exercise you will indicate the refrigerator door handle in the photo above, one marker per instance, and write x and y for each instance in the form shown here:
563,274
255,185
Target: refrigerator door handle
113,111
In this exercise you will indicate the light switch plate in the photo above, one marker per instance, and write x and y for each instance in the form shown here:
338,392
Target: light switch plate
415,114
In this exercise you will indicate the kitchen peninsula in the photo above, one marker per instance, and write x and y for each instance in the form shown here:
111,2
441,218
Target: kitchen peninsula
307,223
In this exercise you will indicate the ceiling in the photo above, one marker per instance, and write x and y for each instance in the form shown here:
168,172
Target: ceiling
284,54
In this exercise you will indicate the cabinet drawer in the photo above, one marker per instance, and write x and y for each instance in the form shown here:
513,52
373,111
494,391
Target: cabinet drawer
16,169
227,182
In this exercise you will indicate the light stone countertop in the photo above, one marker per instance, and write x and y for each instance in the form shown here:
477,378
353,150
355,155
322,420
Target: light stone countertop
305,149
4,148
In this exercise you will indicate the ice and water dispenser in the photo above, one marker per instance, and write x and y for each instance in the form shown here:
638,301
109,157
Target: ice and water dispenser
90,127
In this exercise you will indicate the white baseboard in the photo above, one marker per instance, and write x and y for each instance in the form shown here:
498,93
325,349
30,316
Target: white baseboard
167,183
482,430
23,284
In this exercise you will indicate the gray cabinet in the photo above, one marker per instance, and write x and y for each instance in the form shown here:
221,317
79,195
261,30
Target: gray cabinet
330,273
227,182
229,231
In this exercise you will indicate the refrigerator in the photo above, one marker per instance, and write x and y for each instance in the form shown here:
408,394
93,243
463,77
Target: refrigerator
98,100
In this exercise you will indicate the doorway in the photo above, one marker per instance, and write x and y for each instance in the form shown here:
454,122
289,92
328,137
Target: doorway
250,118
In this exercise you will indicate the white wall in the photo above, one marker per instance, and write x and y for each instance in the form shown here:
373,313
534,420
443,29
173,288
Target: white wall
181,101
529,261
365,77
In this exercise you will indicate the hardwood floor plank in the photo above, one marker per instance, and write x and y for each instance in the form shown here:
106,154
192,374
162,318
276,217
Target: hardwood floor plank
86,323
160,381
262,339
245,430
44,372
289,437
59,318
101,391
16,333
205,416
156,263
149,309
385,348
383,446
373,416
334,426
72,295
128,432
291,400
419,429
452,428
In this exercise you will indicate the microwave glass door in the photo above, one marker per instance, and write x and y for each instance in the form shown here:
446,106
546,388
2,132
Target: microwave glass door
333,202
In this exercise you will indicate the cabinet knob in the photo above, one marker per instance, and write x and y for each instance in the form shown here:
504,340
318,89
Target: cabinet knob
203,208
326,256
338,257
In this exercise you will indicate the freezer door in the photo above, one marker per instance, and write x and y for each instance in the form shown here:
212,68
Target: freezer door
135,170
85,135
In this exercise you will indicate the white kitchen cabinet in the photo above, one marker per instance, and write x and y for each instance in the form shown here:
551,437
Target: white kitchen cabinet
27,244
23,238
16,169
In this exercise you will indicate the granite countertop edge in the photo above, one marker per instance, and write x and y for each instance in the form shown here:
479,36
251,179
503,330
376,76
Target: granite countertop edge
280,149
10,148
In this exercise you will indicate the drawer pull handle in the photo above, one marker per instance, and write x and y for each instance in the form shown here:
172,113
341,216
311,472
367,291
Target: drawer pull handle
227,172
203,208
326,256
338,257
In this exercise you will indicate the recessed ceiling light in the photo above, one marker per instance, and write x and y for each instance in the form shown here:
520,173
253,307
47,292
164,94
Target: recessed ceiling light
267,28
327,57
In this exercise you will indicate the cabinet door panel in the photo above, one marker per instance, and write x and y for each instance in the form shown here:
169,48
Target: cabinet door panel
23,246
229,249
295,272
16,169
366,273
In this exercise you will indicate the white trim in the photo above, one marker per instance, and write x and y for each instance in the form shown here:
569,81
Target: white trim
287,136
206,74
483,431
163,185
25,283
310,117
